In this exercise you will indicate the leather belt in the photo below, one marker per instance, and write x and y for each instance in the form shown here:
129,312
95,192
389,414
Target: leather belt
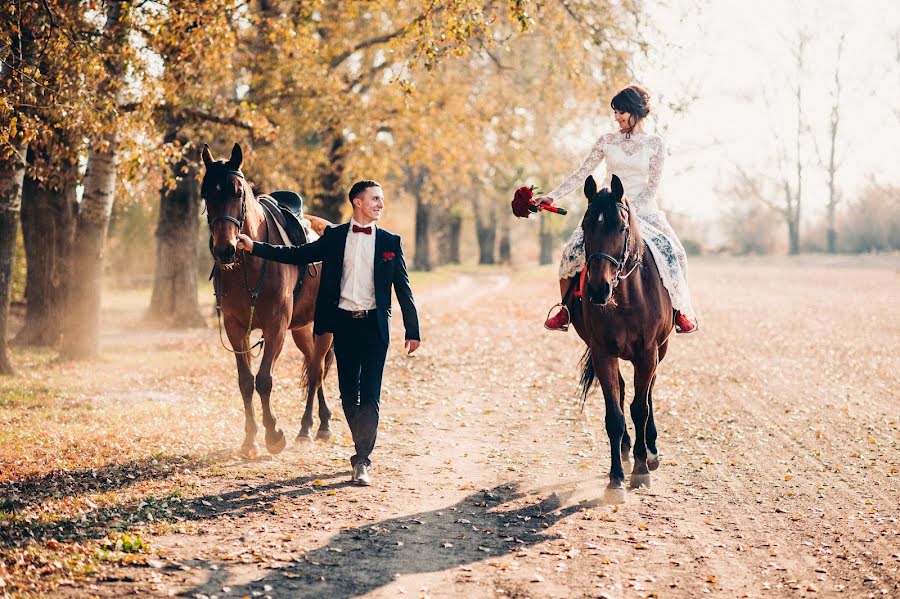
357,313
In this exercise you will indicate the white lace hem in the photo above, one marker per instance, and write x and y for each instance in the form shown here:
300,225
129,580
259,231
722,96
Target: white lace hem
668,253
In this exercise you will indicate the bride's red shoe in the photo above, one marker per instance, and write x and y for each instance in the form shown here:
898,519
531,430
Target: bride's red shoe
683,324
559,321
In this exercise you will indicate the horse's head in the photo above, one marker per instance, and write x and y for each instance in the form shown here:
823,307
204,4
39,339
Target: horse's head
610,239
225,192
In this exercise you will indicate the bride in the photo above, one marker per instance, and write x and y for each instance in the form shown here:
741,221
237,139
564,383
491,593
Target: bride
637,158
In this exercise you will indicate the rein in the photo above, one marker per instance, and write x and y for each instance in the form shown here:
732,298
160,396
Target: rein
620,263
216,276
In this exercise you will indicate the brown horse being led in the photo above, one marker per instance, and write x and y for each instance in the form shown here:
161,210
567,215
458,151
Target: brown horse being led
232,207
626,314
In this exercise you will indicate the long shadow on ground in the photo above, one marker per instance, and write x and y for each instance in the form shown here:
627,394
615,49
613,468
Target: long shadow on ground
169,508
359,560
19,494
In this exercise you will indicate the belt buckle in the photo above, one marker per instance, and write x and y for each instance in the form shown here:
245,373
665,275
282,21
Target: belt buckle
359,313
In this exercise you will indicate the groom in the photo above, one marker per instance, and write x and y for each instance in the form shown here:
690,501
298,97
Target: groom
360,262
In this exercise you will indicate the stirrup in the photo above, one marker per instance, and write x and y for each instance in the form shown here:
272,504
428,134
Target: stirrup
564,327
681,331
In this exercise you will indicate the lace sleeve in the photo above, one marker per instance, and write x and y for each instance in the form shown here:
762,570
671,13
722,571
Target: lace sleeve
587,167
657,160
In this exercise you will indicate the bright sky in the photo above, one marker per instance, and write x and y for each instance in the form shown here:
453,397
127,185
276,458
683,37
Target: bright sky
736,57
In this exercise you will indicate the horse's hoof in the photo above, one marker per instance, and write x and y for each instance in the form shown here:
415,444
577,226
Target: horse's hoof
323,436
640,480
614,493
277,446
248,452
303,438
652,461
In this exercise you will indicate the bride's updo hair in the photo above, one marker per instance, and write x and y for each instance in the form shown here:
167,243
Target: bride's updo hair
634,100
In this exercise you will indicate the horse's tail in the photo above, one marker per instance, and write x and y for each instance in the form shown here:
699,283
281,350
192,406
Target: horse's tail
588,376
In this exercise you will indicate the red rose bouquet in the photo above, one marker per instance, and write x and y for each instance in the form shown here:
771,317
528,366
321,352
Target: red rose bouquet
523,207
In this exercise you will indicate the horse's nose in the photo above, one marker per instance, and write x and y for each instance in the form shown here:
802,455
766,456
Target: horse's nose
601,296
226,255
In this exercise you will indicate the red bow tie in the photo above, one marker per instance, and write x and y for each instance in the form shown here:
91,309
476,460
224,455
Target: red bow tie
366,230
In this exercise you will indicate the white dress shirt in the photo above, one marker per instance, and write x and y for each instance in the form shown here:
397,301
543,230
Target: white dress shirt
358,277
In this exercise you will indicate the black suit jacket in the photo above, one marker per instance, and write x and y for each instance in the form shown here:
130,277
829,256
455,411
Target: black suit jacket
390,269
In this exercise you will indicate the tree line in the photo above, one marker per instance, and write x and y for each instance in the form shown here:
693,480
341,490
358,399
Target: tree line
454,101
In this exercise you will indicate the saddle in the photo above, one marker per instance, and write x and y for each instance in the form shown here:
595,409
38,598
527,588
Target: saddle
285,210
290,205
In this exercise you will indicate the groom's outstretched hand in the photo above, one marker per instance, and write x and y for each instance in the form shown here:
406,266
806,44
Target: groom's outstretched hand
244,243
412,345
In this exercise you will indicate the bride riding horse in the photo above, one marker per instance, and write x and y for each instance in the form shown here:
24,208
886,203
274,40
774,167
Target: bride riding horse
625,313
256,294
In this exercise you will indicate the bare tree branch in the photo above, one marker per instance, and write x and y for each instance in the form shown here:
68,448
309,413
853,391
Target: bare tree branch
375,41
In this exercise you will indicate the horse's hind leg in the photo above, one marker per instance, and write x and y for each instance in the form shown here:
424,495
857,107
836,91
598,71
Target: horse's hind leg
275,440
652,453
324,357
314,349
626,440
644,372
303,339
245,382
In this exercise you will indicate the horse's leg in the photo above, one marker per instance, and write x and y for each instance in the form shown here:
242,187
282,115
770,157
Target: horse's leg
235,334
644,371
324,358
652,453
303,339
274,336
626,440
606,370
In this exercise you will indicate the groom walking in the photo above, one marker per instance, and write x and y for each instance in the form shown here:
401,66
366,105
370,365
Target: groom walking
360,262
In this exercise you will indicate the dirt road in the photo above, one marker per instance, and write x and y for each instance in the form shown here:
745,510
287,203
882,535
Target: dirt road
778,431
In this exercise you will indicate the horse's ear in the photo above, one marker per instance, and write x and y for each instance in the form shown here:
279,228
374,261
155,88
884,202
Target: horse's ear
206,155
237,158
617,190
590,188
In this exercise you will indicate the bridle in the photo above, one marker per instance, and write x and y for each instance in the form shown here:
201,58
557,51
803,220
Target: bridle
216,275
228,217
621,262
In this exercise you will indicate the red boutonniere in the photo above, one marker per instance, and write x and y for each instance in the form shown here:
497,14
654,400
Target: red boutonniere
387,256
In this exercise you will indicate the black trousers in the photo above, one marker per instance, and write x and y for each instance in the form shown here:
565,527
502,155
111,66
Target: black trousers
360,355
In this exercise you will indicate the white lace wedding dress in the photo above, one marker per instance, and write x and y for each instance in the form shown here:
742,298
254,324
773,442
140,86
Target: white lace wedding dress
638,161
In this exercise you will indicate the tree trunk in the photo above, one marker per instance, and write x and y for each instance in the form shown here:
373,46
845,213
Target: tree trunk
12,176
833,196
505,249
174,300
546,244
422,258
794,238
333,197
794,209
452,234
48,227
486,232
81,334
